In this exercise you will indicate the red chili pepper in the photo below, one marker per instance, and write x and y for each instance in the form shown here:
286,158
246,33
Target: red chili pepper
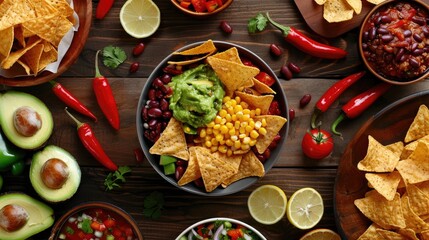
105,98
308,45
360,103
91,143
332,94
103,8
71,101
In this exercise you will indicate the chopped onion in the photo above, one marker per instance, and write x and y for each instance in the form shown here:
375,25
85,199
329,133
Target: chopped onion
217,233
193,233
247,237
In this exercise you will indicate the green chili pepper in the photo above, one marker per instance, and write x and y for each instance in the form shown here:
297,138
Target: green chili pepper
1,182
9,154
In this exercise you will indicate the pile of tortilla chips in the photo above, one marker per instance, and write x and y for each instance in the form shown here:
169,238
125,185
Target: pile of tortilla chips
216,168
342,10
31,31
398,204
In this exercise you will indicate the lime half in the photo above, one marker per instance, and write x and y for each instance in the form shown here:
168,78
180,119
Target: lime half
140,18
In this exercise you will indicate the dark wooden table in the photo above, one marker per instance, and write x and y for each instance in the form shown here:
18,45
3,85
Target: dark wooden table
291,172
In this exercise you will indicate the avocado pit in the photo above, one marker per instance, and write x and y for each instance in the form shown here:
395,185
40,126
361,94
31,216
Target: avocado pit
54,173
13,217
27,121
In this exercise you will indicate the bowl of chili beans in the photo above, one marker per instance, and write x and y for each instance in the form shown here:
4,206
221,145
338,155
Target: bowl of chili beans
201,8
96,220
394,41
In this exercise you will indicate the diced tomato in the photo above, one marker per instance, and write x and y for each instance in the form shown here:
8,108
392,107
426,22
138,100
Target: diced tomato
199,5
185,4
117,233
211,6
235,233
274,108
265,78
128,232
109,223
98,226
219,3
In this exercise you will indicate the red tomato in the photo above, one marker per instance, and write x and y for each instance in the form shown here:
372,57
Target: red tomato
317,144
265,78
199,5
235,234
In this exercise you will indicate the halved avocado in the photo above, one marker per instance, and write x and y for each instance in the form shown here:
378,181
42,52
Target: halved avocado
54,174
10,101
40,216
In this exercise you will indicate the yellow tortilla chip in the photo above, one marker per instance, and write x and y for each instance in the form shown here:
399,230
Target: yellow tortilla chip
43,8
14,56
424,187
409,233
415,169
213,169
62,6
47,58
371,233
172,141
249,166
32,58
274,125
233,160
192,172
262,88
25,66
420,125
262,102
397,148
207,47
6,42
419,201
320,2
380,210
356,5
230,54
424,235
18,13
410,147
190,61
412,220
390,235
384,183
337,11
19,35
378,158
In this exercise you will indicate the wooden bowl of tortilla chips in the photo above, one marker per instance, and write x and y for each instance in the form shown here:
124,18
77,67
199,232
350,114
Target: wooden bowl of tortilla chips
232,173
31,42
382,184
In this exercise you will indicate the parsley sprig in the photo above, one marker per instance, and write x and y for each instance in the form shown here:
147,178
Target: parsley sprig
113,179
257,23
153,204
113,56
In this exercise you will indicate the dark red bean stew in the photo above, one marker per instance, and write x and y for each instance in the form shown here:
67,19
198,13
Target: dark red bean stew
395,41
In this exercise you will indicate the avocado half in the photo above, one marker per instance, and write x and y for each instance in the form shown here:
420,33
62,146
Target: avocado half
10,101
40,216
71,183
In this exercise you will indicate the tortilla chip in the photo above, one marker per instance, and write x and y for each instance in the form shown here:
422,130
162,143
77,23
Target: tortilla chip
62,6
192,172
384,183
249,166
207,47
262,102
371,233
47,58
233,75
410,147
424,187
378,158
419,201
337,11
230,55
6,42
409,233
25,66
42,7
416,168
385,213
32,58
190,61
320,2
412,220
386,234
262,88
14,56
233,160
397,148
420,125
274,125
172,141
356,5
18,13
213,169
424,235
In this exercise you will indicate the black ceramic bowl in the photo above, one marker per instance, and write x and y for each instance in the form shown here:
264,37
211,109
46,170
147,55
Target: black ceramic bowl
241,184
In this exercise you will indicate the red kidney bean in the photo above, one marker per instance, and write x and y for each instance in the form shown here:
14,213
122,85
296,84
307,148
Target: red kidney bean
180,170
151,94
154,112
159,94
399,54
225,27
293,67
304,100
382,30
163,104
134,67
152,103
407,33
419,20
385,19
414,62
275,50
291,114
417,52
286,72
181,162
138,154
138,49
166,78
152,123
157,83
167,114
387,38
417,37
144,114
199,183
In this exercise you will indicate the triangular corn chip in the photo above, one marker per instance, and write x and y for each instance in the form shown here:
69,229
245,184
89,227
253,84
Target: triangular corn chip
420,125
378,158
172,141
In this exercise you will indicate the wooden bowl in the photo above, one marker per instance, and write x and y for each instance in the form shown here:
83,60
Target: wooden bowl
201,14
83,8
387,126
365,25
95,205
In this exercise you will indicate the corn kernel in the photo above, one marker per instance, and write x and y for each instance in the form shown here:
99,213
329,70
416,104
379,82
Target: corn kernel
237,99
264,122
228,117
237,144
252,142
252,123
208,144
222,113
223,121
219,137
249,129
239,115
238,108
230,110
244,105
226,99
258,125
234,138
210,124
242,130
245,147
209,131
252,113
246,117
214,142
222,149
213,148
216,126
234,117
203,133
257,111
242,135
254,134
246,111
262,131
229,125
232,102
246,140
223,129
229,143
217,119
222,142
232,131
237,125
216,131
229,152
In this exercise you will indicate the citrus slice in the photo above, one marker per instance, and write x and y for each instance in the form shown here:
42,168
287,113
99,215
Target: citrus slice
267,204
305,208
140,18
321,234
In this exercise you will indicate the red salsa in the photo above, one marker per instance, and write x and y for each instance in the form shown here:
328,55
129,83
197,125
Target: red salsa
201,6
395,41
96,223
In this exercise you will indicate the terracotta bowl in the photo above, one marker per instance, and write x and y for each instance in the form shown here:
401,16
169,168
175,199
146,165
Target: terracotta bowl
95,205
83,8
366,28
388,126
192,13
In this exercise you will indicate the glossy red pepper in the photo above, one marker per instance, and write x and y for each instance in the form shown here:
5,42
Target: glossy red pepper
105,98
91,143
332,94
308,45
103,8
70,100
360,103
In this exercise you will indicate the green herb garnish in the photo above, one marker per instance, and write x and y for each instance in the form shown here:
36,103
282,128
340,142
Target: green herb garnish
113,178
69,230
153,204
257,23
86,226
113,56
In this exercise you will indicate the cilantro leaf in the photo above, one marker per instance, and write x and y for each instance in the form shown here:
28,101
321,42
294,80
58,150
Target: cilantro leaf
112,179
153,205
86,226
113,56
257,23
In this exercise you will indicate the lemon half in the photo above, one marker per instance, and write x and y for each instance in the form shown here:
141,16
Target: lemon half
305,208
267,204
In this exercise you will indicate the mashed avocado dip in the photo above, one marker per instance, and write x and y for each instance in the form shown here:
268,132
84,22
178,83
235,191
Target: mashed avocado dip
197,96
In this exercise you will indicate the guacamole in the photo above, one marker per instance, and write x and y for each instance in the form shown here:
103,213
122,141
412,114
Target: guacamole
197,96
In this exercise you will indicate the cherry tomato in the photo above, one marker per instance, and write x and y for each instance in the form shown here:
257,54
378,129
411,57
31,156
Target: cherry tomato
265,78
317,144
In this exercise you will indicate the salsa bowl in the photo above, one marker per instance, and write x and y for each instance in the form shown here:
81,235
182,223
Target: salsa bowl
146,142
393,41
186,7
